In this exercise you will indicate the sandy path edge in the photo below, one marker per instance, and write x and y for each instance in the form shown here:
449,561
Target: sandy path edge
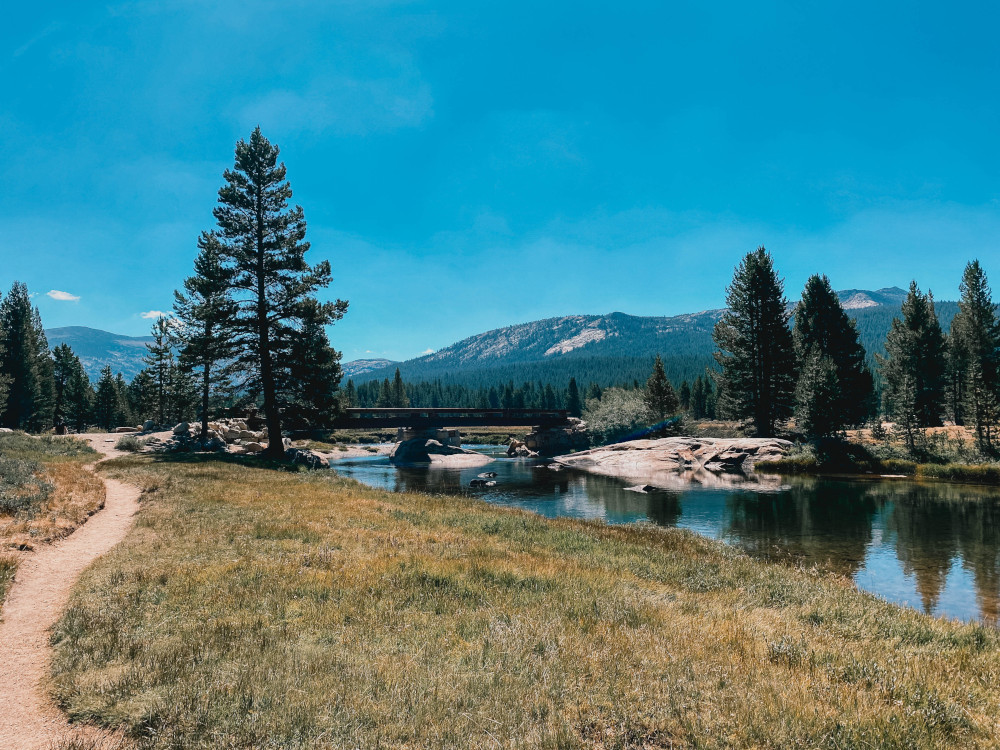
28,717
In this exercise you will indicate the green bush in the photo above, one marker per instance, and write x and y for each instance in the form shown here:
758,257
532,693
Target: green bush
22,489
129,443
620,414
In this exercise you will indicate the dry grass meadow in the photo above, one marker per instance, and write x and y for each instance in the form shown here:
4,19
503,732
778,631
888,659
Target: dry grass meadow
254,607
44,494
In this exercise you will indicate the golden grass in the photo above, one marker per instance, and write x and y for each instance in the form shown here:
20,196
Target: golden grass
252,607
8,566
77,495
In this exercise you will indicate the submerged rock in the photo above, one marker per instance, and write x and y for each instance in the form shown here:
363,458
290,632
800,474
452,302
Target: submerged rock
675,461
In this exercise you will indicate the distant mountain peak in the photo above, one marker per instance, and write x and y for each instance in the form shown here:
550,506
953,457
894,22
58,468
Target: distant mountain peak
859,299
361,366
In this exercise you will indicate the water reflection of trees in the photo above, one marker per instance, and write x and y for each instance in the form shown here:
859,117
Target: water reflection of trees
931,526
936,524
829,523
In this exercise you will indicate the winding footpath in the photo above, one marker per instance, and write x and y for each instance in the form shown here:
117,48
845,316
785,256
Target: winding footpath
28,717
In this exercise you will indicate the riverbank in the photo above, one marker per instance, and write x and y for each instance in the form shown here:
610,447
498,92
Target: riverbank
313,610
809,464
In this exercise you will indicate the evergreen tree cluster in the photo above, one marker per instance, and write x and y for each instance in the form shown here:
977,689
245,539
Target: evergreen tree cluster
776,361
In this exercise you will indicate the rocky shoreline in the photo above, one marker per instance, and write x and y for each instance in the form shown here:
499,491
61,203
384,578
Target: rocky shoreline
677,461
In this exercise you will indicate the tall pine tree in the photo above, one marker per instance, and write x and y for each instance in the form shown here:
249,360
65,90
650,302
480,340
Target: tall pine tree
202,310
822,326
73,394
160,358
659,395
756,352
27,364
106,402
914,366
975,349
263,244
573,404
399,398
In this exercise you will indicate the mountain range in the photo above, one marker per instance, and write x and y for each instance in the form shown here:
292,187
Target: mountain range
97,349
605,349
616,348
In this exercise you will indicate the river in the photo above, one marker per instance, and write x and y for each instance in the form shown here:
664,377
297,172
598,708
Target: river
932,546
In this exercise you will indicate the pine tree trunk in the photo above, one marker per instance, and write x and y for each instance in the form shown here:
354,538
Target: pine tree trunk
272,417
205,381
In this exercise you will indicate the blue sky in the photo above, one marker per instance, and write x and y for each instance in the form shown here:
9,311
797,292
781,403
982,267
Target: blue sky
465,166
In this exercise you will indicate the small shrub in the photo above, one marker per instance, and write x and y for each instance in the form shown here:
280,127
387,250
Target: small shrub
129,443
22,489
19,445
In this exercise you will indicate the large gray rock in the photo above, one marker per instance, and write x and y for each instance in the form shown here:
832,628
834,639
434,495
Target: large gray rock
306,458
551,441
427,451
676,461
182,429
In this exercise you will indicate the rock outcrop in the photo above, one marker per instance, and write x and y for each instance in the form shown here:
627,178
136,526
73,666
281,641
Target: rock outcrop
307,458
430,452
677,461
552,441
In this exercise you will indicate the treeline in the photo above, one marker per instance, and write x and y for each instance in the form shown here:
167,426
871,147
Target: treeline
810,364
697,399
606,371
42,389
397,394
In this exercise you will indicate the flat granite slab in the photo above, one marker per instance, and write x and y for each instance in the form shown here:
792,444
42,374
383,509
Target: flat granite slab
677,461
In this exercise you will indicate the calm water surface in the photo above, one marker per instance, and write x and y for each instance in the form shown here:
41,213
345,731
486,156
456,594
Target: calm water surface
935,547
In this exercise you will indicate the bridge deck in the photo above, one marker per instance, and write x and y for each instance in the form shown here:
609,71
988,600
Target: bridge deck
451,417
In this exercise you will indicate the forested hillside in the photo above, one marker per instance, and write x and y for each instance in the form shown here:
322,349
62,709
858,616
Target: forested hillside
616,348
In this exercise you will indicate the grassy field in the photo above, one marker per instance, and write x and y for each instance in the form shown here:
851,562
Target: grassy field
253,607
44,494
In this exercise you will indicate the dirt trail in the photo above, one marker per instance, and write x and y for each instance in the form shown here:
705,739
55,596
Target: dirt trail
28,717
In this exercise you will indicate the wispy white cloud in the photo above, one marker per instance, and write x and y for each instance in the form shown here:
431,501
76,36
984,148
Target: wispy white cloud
52,27
427,351
153,315
62,296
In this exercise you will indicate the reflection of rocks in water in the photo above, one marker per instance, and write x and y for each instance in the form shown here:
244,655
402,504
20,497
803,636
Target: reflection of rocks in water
662,507
820,521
